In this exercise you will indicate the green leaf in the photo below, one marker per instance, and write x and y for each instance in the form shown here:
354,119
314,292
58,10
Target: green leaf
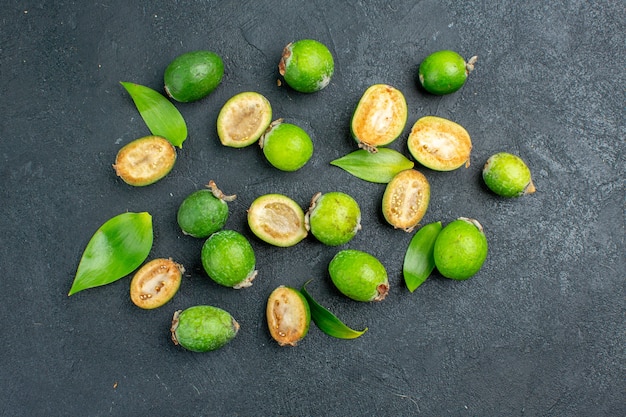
418,260
161,116
117,248
378,167
327,321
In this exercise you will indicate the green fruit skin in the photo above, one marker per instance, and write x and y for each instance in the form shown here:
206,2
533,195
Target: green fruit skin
507,175
442,72
202,214
310,66
287,147
228,258
204,328
460,250
358,275
335,219
193,75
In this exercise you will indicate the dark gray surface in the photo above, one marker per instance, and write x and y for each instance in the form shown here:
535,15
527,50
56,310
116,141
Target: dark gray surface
538,332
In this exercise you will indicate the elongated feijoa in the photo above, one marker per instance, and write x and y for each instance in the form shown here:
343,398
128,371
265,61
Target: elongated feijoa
460,249
286,146
378,167
277,219
508,175
419,262
159,114
406,199
440,144
144,161
243,119
228,259
444,72
155,283
359,275
204,212
334,218
379,117
203,328
306,65
193,75
117,248
288,315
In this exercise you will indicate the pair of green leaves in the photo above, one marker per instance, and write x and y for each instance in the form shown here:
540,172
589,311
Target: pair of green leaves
418,260
378,167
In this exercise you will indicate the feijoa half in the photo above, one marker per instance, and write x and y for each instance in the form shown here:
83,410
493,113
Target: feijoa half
406,199
203,328
204,212
288,315
155,283
243,119
440,144
334,218
460,249
508,175
193,75
444,72
144,161
306,65
277,219
379,117
359,275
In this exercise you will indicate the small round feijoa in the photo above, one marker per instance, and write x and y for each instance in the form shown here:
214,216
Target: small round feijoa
508,175
406,199
440,144
306,65
359,275
334,218
288,315
193,75
277,219
286,146
203,328
379,117
155,283
203,212
144,161
444,72
243,119
460,249
228,259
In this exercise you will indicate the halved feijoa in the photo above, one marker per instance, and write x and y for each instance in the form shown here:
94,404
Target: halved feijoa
203,328
406,199
204,212
277,219
306,65
144,161
334,218
444,72
193,75
243,119
379,117
359,275
155,283
508,175
440,144
288,315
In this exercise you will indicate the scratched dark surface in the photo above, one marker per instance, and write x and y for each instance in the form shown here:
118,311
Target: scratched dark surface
539,331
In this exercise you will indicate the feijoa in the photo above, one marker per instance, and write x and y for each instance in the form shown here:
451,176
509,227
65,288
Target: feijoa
193,75
359,275
204,212
288,315
155,283
228,259
444,72
306,65
334,218
144,161
508,175
277,219
243,119
380,116
406,199
203,328
286,146
440,144
460,249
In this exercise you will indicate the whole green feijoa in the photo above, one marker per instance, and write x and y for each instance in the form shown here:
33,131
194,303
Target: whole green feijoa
460,249
193,75
359,275
444,72
203,328
228,259
203,212
306,65
286,146
334,218
508,175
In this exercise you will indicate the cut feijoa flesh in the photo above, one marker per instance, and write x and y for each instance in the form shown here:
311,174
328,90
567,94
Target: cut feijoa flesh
406,199
243,119
144,161
288,315
440,144
277,219
156,283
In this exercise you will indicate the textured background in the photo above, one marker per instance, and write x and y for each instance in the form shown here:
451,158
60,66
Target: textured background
538,331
